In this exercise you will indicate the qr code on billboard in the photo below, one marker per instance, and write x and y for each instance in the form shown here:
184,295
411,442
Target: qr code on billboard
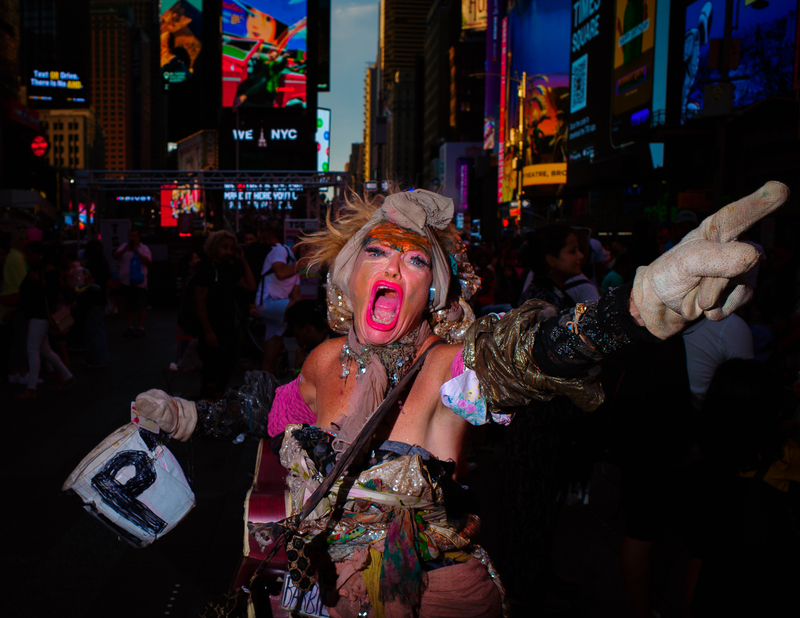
577,89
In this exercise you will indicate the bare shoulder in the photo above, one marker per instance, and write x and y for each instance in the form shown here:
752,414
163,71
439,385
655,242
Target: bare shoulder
316,368
320,358
440,358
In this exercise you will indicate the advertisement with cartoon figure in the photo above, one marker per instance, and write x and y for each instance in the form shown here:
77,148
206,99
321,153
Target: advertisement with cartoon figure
264,53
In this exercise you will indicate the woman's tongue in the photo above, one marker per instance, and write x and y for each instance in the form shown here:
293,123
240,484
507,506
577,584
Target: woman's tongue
385,308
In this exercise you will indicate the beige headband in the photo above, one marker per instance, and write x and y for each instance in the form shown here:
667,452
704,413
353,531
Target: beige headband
418,211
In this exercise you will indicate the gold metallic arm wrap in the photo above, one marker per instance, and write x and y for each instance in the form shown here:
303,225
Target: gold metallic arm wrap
501,352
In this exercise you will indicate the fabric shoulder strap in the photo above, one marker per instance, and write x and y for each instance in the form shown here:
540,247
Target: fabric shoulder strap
344,461
364,436
575,284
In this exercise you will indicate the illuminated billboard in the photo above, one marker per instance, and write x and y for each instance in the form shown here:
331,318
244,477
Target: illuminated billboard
590,72
278,140
177,201
761,60
474,14
86,216
324,46
323,140
639,76
56,89
181,39
491,102
538,42
501,123
264,53
273,196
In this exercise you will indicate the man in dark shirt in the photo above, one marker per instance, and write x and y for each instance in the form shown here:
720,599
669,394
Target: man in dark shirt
216,280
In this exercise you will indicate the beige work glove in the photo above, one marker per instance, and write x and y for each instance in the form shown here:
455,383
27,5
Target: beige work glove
173,415
702,273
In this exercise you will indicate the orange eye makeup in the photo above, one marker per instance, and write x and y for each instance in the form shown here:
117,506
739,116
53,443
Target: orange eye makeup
398,239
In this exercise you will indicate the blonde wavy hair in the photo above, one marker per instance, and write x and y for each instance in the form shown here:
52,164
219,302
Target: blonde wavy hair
214,240
325,245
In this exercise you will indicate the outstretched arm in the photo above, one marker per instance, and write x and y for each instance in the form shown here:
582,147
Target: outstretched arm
242,411
536,353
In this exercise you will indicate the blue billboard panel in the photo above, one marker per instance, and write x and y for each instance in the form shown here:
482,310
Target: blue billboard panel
539,45
762,57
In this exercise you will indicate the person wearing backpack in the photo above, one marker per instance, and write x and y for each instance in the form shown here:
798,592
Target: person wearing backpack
277,290
134,258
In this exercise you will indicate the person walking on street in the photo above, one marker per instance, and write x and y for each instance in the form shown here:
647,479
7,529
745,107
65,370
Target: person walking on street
215,281
38,297
14,271
134,258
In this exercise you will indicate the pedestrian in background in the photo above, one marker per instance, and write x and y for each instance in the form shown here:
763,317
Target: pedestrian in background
134,258
38,296
215,282
278,288
14,271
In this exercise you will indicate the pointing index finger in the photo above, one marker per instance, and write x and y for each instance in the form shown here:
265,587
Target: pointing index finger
726,224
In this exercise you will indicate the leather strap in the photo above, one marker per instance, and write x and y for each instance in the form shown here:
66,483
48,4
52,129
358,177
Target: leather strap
363,438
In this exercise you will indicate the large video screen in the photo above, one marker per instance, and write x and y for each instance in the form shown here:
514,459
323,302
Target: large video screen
539,42
323,140
639,77
590,73
258,196
178,200
264,53
181,39
474,14
634,63
56,89
763,56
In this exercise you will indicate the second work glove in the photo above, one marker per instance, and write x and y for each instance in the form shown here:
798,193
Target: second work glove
173,415
701,274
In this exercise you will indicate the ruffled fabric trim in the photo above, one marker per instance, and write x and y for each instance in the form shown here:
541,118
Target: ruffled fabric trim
289,408
462,394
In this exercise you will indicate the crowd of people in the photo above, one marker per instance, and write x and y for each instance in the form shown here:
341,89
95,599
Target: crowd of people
53,301
702,424
673,410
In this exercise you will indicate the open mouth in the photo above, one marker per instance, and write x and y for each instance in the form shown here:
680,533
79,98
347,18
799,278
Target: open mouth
384,307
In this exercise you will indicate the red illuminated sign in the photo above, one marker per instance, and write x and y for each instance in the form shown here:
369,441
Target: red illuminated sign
39,146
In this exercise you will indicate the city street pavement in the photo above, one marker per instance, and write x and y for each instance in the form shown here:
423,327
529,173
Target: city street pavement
59,561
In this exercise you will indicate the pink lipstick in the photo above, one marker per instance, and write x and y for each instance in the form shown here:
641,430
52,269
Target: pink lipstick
384,308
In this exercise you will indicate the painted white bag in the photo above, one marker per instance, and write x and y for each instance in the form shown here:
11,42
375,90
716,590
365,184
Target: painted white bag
134,485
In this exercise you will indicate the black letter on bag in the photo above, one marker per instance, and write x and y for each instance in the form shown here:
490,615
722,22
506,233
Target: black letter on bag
124,498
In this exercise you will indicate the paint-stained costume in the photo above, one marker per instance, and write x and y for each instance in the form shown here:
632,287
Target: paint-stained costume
395,536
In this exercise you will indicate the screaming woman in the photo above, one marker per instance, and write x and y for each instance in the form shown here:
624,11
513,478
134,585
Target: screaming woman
394,534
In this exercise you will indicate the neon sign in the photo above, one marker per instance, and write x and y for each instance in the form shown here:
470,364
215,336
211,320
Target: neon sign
56,79
39,146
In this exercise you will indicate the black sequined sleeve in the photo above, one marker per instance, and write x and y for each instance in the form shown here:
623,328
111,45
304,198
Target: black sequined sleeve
241,412
567,347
